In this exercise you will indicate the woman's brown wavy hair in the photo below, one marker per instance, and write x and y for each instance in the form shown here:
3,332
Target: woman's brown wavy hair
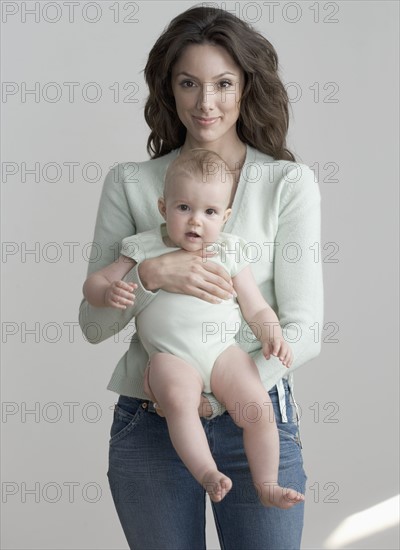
264,119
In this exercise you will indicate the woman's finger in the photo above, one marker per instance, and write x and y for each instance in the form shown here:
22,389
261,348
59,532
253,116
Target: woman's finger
213,283
186,273
214,291
203,295
218,271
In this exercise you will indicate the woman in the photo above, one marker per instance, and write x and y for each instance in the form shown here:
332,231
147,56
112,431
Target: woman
213,83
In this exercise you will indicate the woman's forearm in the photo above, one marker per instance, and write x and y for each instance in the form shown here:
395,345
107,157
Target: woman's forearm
99,323
150,273
114,222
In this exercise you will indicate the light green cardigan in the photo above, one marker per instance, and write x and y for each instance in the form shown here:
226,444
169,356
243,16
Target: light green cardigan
276,209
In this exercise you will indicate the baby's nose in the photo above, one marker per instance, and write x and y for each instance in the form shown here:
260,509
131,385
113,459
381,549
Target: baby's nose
195,218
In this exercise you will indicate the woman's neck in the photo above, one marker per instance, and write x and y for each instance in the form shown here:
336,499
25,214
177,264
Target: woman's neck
233,154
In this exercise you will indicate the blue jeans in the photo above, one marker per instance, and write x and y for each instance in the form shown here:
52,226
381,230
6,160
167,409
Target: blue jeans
162,507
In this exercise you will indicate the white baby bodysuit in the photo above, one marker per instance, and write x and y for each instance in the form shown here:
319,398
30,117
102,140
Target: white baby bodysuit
185,326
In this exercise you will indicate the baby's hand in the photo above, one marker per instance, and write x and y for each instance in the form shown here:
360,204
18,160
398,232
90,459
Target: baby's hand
120,295
280,348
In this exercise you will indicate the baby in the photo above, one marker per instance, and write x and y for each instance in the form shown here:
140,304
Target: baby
190,342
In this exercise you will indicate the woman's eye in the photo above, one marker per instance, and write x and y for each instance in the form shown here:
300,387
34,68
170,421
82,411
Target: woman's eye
187,84
183,207
226,83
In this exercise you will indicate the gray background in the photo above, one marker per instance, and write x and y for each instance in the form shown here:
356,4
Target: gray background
54,459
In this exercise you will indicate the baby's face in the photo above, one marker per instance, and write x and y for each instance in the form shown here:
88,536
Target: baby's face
195,211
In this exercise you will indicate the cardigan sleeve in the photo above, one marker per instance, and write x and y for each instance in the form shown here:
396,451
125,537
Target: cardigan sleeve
298,280
132,248
298,277
114,222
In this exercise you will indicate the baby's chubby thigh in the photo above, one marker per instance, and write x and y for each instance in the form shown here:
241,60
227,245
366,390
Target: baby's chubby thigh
235,379
175,383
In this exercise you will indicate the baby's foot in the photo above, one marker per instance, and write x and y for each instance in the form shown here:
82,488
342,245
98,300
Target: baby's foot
281,497
216,484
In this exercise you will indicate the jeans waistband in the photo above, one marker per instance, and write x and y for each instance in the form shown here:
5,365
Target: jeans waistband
148,405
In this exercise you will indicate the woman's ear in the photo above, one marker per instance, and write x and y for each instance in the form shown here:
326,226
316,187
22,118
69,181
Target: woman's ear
162,208
227,214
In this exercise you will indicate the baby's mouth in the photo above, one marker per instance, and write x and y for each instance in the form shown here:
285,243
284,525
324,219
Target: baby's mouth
192,234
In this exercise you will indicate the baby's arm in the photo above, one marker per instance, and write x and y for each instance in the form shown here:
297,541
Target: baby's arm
260,317
104,288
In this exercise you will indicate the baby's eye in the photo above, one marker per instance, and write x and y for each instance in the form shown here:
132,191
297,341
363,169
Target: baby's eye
183,207
210,211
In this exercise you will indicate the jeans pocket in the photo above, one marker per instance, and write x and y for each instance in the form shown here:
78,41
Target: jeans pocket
289,431
127,413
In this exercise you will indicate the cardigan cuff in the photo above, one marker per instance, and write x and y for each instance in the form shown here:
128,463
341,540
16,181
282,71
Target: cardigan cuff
271,370
216,407
143,296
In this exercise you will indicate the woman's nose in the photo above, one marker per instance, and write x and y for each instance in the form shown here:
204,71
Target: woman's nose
206,96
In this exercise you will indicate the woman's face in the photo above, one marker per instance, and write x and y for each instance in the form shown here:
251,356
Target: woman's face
207,86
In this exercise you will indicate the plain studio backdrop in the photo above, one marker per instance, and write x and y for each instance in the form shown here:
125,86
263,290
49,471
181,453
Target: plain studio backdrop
72,106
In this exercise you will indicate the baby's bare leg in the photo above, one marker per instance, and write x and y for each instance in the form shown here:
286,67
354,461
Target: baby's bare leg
235,382
177,387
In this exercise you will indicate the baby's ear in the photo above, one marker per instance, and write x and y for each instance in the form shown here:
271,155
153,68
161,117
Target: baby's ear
161,207
227,214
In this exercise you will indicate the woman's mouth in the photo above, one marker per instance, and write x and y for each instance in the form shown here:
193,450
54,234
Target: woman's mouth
205,121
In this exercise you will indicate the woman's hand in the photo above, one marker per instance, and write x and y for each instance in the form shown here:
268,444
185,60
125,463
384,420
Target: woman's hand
189,273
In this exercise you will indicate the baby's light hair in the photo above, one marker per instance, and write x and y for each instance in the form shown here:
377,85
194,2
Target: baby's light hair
200,163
